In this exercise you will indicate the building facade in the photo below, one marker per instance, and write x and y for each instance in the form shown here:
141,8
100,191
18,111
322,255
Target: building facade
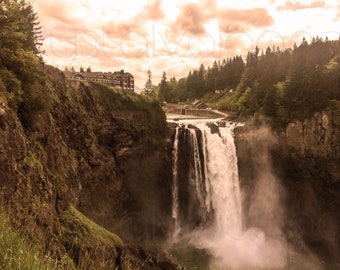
118,79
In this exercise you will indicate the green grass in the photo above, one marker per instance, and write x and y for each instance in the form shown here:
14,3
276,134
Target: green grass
78,229
16,252
124,100
88,244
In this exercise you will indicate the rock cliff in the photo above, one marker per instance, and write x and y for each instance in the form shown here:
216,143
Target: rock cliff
96,154
317,136
309,153
306,159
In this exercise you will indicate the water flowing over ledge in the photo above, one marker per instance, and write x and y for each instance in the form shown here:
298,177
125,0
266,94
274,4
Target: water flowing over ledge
207,200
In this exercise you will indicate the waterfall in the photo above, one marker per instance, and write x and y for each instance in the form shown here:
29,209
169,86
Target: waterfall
225,188
198,174
207,198
213,174
175,182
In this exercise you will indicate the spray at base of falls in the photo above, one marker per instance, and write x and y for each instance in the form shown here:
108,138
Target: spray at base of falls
213,212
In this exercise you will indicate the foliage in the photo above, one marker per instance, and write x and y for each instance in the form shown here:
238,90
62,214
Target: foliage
17,253
148,116
149,88
290,84
202,81
21,65
163,91
78,229
277,86
14,93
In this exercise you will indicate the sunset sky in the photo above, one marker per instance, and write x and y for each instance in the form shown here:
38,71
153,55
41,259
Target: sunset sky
175,35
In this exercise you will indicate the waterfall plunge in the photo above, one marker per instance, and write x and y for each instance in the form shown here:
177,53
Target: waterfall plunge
218,190
175,184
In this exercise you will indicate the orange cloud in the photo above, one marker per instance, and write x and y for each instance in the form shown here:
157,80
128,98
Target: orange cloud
298,6
136,25
48,10
190,20
163,34
232,27
154,10
124,29
60,16
233,21
231,42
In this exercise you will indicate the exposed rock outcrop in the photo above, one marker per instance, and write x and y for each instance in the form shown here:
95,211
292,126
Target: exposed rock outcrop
317,136
98,151
306,159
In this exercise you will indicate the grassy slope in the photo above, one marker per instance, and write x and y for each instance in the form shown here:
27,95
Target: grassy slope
16,251
78,229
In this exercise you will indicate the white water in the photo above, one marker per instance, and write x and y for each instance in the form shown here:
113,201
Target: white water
226,239
175,183
225,188
197,176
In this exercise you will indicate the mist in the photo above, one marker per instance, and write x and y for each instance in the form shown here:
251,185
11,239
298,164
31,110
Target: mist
248,226
260,243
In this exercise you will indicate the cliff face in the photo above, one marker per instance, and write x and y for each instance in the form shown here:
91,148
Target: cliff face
100,151
309,153
317,136
305,157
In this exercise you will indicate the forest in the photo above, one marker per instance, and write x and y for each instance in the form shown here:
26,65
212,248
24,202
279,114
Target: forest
276,85
22,78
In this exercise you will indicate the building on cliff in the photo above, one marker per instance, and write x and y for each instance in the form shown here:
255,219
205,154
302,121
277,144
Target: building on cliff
119,79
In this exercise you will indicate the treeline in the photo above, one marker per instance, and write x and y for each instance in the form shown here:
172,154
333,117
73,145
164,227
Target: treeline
290,84
278,85
22,80
199,82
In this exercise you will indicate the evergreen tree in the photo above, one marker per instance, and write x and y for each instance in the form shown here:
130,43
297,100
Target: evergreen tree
163,89
20,59
181,89
279,85
149,87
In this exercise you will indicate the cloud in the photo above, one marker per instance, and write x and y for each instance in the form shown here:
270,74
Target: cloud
236,21
154,10
289,5
231,42
171,35
47,11
124,29
190,20
236,44
59,47
232,27
66,16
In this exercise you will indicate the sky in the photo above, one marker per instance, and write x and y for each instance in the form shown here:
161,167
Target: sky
175,36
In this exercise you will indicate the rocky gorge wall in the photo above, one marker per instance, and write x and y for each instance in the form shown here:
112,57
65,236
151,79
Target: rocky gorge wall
305,157
95,151
317,136
309,152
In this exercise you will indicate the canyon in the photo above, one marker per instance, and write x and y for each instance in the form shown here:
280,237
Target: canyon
92,179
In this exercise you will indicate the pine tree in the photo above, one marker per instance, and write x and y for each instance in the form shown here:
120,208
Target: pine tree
163,89
148,88
20,58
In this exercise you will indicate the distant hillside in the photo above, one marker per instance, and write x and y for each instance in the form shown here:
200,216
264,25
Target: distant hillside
276,85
